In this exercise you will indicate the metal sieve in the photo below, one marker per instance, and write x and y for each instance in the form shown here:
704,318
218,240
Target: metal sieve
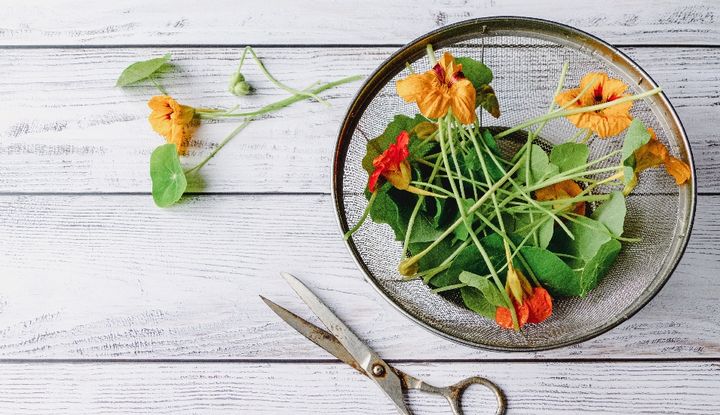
526,56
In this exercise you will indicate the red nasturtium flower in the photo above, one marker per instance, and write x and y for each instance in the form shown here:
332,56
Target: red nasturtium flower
392,164
442,88
532,304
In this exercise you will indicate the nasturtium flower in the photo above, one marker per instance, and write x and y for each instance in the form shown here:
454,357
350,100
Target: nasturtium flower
531,304
540,305
440,89
654,153
172,120
565,189
393,164
536,307
599,89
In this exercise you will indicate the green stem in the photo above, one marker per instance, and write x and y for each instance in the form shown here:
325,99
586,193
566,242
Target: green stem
157,85
414,213
431,54
226,140
468,223
364,216
279,104
275,81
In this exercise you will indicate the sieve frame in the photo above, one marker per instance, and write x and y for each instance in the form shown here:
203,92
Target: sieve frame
539,28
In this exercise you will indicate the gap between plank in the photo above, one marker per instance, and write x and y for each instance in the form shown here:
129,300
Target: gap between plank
334,361
303,46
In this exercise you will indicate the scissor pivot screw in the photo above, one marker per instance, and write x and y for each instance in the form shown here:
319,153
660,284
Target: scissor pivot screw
378,370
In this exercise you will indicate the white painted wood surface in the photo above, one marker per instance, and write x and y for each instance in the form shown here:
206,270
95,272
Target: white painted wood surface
91,272
533,388
64,22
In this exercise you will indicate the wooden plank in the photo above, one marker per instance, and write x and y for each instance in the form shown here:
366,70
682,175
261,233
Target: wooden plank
115,277
77,133
332,22
306,388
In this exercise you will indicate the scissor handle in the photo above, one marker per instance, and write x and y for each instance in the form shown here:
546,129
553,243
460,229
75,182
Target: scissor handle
453,394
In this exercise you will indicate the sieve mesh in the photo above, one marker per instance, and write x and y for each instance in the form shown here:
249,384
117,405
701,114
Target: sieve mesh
526,56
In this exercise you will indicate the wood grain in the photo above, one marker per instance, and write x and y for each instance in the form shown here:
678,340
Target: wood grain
76,133
306,388
332,22
115,277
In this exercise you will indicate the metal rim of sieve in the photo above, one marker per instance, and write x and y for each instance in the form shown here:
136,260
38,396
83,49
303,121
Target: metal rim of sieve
513,25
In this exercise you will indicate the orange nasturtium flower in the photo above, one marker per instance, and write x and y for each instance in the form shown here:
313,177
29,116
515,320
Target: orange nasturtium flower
607,122
532,304
439,89
564,190
654,153
172,120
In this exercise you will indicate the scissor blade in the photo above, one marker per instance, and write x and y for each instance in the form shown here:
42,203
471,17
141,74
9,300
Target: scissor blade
368,360
315,334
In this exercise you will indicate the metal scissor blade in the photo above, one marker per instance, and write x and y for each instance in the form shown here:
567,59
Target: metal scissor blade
315,334
374,366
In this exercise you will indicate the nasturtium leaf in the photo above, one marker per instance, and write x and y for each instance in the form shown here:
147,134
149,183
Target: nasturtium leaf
540,166
168,178
378,145
435,256
470,259
597,266
475,301
423,229
483,283
475,71
637,135
526,223
486,98
589,235
611,213
552,272
141,70
491,142
461,232
569,156
386,209
419,147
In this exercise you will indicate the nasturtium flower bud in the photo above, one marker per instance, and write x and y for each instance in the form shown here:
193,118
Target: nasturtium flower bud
238,86
408,267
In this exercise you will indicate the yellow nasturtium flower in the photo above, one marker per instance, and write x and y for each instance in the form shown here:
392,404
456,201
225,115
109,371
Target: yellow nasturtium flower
172,120
598,89
440,89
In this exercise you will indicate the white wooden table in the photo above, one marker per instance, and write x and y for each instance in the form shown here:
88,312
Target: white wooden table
111,305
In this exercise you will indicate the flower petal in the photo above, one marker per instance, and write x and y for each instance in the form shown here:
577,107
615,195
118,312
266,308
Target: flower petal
677,169
563,190
503,317
462,101
434,104
415,87
540,305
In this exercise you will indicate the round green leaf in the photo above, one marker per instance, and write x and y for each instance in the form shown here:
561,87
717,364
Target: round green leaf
168,178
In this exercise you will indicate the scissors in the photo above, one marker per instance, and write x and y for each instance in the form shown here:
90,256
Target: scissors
342,343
